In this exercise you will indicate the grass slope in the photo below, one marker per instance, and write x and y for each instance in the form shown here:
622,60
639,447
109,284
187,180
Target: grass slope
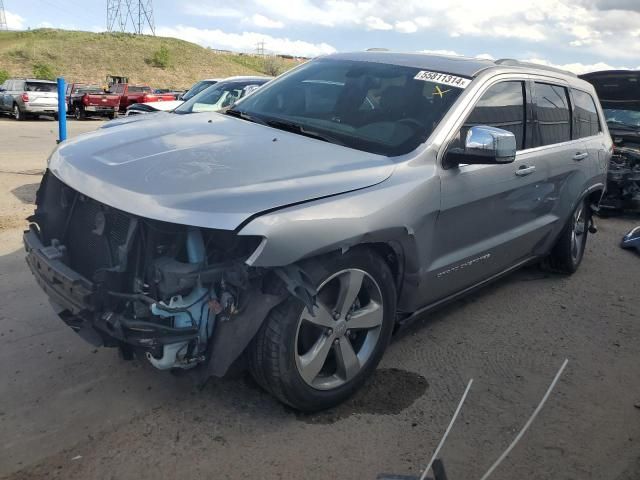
86,56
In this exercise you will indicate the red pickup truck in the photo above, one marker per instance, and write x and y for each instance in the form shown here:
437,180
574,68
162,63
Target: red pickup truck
130,94
87,100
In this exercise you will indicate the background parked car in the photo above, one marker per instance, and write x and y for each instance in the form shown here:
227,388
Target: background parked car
618,93
229,90
130,94
198,87
86,100
29,97
219,96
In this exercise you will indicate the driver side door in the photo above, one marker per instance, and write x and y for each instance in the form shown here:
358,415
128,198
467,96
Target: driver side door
489,217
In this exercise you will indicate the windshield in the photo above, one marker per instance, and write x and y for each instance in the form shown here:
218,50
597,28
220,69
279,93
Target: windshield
379,108
197,88
217,97
615,116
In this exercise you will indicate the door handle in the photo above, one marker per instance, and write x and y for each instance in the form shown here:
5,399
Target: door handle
523,171
580,156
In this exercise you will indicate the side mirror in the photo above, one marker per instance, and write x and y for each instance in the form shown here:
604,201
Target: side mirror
484,146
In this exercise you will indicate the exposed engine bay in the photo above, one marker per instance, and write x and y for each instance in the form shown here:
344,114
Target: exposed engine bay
147,286
623,178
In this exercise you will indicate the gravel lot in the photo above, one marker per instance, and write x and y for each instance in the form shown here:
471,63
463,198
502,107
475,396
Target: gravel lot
69,411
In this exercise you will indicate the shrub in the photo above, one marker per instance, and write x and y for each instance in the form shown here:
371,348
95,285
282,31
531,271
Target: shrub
273,65
43,71
161,58
3,75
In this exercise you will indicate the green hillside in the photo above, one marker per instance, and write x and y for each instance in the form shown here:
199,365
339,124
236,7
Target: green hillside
89,57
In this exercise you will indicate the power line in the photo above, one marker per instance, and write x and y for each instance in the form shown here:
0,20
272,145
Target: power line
3,17
130,16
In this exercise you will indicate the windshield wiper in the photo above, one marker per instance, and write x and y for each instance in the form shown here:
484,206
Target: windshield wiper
244,116
300,130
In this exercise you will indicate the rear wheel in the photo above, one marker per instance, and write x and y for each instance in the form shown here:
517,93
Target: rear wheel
315,361
568,252
112,115
18,114
80,114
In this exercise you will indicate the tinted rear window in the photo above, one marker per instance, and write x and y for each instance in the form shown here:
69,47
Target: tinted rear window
585,115
40,87
553,117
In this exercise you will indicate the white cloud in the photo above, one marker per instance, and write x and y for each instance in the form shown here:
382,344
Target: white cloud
200,10
245,41
451,53
14,21
577,68
376,23
406,27
265,22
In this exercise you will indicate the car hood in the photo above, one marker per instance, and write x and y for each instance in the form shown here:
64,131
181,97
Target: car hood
133,119
165,106
208,169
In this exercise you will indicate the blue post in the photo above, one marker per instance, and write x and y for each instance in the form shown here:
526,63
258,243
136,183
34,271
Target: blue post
62,111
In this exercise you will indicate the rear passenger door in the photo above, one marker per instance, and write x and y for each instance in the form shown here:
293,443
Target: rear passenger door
557,152
588,128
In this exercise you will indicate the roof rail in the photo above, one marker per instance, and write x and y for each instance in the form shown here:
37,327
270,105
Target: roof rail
510,62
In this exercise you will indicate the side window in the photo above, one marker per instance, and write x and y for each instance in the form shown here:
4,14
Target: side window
586,122
553,117
502,106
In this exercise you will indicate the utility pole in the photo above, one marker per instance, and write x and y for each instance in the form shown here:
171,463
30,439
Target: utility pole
130,16
3,17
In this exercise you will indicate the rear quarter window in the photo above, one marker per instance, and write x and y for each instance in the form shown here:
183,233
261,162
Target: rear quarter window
585,115
552,114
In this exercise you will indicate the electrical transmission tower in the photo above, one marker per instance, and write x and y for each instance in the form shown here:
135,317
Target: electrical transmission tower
3,17
130,16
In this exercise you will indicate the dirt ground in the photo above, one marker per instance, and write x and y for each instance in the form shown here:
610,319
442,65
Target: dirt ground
70,411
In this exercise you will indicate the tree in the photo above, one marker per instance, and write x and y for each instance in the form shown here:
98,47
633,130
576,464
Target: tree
273,65
43,71
3,75
161,58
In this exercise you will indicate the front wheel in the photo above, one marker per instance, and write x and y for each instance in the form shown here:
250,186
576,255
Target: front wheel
80,114
315,361
568,252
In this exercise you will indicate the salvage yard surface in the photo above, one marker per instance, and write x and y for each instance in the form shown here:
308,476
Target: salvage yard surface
70,411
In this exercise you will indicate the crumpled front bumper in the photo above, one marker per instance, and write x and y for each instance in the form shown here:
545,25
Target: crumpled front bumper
72,296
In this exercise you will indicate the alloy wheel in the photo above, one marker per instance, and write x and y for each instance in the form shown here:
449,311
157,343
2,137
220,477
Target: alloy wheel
17,113
578,234
335,343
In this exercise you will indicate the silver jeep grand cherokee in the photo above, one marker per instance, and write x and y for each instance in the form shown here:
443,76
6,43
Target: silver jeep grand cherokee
297,230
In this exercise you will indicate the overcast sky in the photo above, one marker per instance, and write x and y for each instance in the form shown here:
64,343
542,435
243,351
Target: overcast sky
581,35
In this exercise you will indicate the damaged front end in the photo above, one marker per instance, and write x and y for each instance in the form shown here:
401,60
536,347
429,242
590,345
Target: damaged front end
161,289
623,179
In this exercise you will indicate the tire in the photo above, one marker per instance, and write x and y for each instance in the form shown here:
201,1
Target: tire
112,116
568,252
56,117
18,114
311,367
79,113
